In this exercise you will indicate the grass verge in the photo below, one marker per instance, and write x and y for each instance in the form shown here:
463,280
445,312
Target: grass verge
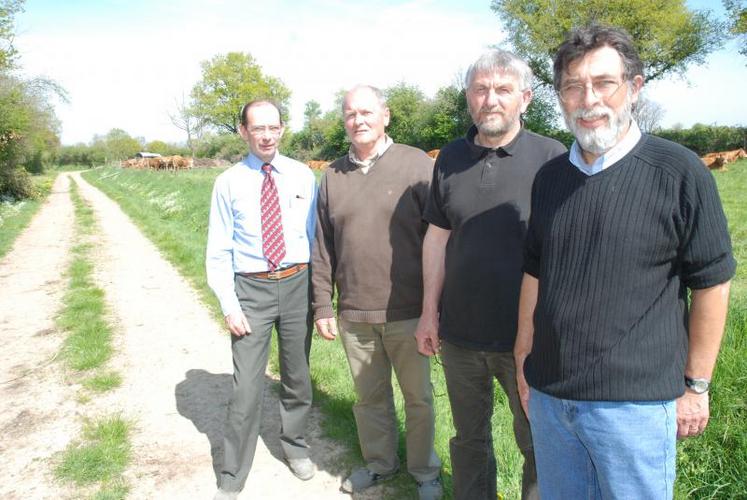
15,215
172,210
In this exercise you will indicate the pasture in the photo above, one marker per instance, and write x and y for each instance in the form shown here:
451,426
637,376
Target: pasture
172,211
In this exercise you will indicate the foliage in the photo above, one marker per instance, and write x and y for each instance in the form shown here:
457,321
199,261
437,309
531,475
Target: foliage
669,36
542,115
737,23
117,145
705,139
28,131
229,147
228,82
8,10
15,215
405,104
166,149
444,118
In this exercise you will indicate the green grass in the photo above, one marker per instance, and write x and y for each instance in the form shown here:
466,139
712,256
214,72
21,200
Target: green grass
172,210
15,215
83,317
102,382
714,465
101,455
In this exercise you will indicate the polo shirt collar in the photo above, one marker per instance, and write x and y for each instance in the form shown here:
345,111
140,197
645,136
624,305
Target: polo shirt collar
476,151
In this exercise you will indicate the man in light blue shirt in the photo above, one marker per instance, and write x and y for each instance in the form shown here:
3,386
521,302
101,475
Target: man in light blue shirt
261,286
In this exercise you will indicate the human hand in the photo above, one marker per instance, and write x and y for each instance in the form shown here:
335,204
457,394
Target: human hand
426,335
692,414
327,328
237,324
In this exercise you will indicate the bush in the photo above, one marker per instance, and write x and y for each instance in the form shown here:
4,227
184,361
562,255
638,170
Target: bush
704,139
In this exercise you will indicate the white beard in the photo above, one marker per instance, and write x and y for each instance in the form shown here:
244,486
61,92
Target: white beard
601,139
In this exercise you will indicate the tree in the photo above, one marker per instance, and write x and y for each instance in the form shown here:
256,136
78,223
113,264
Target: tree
668,35
228,82
184,119
406,104
444,118
117,145
737,23
541,116
8,10
648,114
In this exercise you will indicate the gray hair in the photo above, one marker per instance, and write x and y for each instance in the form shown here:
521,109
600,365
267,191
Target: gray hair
375,90
583,40
501,60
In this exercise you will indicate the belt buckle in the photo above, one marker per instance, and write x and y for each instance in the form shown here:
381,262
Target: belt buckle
274,275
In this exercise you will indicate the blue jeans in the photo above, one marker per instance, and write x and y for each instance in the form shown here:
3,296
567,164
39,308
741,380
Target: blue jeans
603,449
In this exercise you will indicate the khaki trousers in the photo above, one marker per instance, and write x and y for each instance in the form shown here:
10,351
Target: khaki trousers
372,351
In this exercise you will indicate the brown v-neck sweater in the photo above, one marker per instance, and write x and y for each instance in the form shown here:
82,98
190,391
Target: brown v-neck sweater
369,237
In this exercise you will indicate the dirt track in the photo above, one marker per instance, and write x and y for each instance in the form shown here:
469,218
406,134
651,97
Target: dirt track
174,359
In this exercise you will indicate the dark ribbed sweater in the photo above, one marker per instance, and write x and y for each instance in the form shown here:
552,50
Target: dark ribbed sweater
369,237
614,254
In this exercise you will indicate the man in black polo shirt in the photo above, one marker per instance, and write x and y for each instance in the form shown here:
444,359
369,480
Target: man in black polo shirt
472,257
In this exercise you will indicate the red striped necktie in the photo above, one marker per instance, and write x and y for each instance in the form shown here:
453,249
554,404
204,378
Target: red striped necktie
273,244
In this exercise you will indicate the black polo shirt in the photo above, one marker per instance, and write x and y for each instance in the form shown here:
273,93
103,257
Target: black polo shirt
483,196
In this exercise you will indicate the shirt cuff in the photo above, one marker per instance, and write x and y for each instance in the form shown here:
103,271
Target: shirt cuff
322,312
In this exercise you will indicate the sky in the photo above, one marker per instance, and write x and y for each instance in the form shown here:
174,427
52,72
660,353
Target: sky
128,63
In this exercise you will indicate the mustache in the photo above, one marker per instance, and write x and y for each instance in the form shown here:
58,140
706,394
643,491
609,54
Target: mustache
592,113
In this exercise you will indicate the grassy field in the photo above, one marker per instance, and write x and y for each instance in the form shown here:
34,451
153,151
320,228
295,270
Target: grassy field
172,210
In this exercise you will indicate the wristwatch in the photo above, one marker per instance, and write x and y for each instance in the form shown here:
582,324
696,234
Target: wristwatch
697,385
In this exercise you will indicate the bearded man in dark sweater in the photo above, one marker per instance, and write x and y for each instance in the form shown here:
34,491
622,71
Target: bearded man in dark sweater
617,362
472,257
368,242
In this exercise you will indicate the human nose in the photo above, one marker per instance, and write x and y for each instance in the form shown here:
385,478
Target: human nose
589,97
358,119
491,98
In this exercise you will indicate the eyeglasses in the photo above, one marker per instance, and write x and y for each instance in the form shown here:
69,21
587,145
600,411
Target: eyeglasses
603,89
272,129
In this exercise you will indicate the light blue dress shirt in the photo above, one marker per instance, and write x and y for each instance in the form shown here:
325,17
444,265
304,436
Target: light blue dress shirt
235,226
615,154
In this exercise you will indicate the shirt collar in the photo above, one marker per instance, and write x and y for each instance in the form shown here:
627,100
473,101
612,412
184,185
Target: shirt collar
277,162
370,162
615,154
477,151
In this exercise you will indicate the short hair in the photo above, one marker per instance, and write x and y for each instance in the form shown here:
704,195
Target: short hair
581,41
377,92
257,102
500,60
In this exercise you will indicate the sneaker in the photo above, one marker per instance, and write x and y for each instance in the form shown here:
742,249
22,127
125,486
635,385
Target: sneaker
364,478
226,495
430,490
302,468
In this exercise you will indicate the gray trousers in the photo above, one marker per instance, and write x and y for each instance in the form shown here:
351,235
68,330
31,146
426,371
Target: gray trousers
372,350
469,381
283,304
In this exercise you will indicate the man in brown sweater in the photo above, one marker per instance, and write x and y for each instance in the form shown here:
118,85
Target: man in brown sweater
368,242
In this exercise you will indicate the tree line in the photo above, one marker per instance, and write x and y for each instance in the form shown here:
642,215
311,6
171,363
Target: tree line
670,38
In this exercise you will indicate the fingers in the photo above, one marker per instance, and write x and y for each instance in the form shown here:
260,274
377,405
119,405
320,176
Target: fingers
523,388
692,414
327,328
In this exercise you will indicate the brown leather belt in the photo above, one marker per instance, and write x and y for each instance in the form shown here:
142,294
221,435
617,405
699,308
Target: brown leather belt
278,274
